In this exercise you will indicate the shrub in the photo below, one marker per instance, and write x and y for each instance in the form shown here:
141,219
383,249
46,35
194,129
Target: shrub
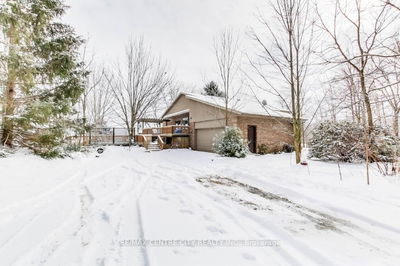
385,147
340,141
262,149
51,154
230,143
287,148
275,149
3,153
345,141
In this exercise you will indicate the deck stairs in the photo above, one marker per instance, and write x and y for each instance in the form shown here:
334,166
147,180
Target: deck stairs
153,146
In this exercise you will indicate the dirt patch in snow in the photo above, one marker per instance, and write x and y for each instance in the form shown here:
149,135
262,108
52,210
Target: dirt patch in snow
321,220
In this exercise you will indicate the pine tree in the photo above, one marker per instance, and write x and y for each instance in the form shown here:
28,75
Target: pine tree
212,89
230,143
43,77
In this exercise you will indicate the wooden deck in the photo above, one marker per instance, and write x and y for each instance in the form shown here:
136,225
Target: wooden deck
167,131
167,137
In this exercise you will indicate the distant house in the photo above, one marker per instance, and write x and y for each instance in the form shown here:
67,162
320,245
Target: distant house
193,120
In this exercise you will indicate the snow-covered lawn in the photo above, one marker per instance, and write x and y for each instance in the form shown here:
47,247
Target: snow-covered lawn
91,211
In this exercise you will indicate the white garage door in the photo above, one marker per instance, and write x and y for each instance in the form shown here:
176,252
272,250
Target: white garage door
205,138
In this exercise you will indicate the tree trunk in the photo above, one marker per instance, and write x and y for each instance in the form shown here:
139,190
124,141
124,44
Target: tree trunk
8,123
396,123
9,104
297,140
226,114
295,103
367,102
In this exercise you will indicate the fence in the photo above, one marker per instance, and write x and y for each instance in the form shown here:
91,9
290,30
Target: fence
101,136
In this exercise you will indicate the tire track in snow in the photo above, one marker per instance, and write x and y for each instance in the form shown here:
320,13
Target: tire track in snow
295,246
103,213
345,214
123,216
195,195
350,232
41,199
16,243
44,202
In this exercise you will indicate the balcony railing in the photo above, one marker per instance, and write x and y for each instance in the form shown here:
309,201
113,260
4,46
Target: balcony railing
167,130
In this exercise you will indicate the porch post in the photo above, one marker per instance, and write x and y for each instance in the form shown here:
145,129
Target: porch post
113,136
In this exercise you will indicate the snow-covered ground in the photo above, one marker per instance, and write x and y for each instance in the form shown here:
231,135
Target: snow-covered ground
194,208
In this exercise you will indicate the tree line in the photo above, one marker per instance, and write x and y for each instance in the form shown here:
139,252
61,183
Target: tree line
50,83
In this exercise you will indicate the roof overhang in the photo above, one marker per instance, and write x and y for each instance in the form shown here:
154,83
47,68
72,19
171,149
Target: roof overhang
212,104
150,120
176,113
188,96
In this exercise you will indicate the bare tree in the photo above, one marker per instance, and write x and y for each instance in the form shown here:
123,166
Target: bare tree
100,98
344,95
139,84
226,49
96,100
389,81
286,47
357,34
391,4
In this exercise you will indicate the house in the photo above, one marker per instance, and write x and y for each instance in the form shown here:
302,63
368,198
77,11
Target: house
193,120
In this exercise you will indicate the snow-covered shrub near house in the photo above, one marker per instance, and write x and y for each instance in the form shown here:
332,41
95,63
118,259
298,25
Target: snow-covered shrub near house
287,148
262,149
385,147
345,141
340,141
230,143
2,153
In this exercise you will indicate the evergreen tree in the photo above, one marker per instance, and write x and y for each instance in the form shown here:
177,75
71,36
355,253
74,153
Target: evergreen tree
345,142
211,89
230,143
43,76
337,141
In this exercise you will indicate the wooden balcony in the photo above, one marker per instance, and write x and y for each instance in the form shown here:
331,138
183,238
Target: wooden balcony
168,137
169,131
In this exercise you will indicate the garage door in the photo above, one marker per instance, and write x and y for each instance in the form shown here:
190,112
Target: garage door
205,138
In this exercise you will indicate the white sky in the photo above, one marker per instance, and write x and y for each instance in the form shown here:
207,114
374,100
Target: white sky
181,31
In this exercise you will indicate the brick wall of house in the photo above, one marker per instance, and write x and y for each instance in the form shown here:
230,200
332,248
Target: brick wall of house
270,131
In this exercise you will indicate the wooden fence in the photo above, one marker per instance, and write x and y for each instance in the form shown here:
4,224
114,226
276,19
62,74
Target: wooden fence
101,136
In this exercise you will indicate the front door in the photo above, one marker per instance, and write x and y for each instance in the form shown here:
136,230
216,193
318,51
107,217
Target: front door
252,138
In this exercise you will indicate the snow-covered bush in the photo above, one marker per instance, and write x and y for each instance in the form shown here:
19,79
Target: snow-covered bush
262,149
345,141
3,154
230,143
385,147
274,149
287,148
342,141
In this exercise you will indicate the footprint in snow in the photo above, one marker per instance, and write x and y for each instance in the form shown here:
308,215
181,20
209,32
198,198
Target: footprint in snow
105,217
214,229
177,252
248,256
185,211
100,261
163,198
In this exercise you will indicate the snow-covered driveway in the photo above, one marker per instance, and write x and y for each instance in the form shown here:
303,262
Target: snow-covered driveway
99,211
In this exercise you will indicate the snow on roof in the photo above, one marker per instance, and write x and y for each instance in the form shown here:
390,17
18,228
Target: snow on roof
177,113
242,104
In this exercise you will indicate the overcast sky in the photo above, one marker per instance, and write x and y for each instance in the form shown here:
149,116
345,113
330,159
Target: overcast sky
181,31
